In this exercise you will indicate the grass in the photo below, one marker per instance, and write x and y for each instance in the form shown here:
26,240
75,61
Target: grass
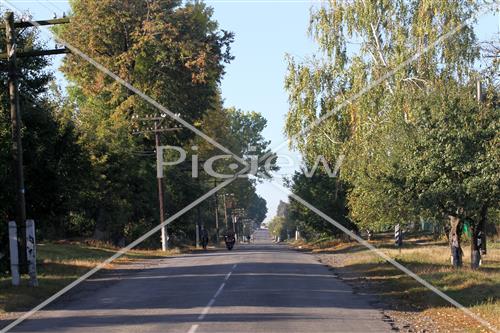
478,290
59,264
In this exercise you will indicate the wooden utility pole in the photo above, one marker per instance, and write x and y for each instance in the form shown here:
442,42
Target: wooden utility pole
157,129
16,125
216,216
16,120
164,232
225,210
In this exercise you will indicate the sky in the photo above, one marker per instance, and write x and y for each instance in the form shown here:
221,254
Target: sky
265,31
264,34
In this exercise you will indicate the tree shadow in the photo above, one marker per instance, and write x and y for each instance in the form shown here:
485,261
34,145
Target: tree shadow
188,283
399,291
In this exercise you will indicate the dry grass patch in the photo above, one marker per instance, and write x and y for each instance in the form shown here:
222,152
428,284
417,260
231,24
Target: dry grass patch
478,290
61,263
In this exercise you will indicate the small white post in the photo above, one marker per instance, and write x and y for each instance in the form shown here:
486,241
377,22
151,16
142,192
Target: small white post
197,236
31,252
164,238
14,257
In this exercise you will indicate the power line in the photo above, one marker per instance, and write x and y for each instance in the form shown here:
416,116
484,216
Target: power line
50,3
157,128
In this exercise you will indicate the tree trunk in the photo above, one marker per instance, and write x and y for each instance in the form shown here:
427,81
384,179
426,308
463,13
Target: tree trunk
100,226
455,234
478,240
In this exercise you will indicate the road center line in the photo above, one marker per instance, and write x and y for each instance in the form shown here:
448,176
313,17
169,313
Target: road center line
193,328
219,290
207,308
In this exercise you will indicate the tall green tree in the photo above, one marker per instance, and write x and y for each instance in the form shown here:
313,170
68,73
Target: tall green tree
55,166
452,162
327,194
241,132
372,97
171,51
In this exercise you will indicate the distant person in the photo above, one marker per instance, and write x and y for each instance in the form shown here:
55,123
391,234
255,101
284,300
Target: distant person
230,239
204,237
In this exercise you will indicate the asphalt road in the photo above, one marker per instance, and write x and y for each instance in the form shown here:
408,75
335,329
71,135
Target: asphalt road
260,287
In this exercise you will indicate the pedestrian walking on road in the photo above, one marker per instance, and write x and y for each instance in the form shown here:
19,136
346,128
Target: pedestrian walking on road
204,237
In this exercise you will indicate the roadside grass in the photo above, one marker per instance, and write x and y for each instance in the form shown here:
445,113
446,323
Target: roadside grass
59,264
478,290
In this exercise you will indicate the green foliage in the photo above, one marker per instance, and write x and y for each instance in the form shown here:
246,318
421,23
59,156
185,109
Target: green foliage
172,52
86,174
453,163
241,132
414,139
326,193
55,166
278,227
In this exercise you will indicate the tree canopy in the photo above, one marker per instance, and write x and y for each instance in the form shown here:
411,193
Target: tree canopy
393,89
87,174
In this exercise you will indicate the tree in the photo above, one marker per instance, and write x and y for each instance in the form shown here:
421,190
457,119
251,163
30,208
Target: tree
256,209
55,167
241,132
453,163
328,194
171,51
377,128
276,227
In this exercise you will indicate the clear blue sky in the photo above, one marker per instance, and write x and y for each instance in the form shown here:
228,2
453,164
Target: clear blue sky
265,32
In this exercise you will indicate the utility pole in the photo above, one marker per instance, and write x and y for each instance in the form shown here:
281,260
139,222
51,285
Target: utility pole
17,144
235,219
157,129
225,210
216,217
16,121
224,195
216,197
164,232
237,213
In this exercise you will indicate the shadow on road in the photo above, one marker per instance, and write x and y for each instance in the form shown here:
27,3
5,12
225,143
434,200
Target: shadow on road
170,291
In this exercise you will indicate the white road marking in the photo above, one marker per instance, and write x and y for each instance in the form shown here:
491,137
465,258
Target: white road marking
219,290
193,328
207,308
